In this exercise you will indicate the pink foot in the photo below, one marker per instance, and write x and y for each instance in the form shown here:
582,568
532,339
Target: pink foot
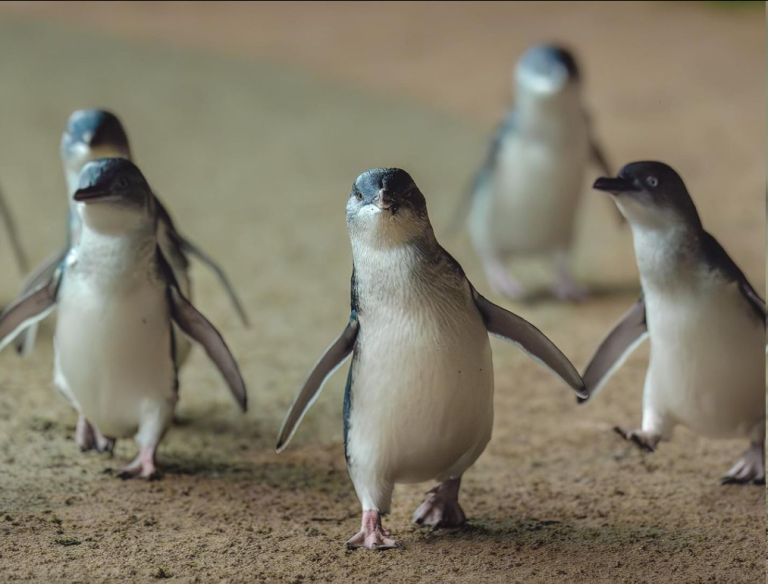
84,436
503,283
750,469
372,535
88,437
142,467
441,507
565,287
103,444
569,291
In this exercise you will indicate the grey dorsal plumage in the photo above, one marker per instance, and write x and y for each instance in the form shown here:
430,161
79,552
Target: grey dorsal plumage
30,308
518,331
561,54
629,332
717,258
97,127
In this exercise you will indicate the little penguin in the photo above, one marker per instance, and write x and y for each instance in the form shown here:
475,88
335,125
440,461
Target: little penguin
115,345
418,404
92,134
523,201
705,321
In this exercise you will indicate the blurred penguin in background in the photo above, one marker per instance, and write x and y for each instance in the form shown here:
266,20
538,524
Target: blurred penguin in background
525,197
94,134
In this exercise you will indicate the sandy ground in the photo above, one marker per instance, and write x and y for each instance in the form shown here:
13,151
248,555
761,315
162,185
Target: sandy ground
252,121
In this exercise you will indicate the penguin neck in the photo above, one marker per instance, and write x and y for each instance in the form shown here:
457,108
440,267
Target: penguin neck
375,254
133,251
667,258
396,275
547,115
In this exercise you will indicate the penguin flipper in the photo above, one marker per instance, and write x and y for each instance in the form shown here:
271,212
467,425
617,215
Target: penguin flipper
630,331
13,234
599,159
518,331
598,156
29,309
188,248
198,328
331,360
25,341
191,249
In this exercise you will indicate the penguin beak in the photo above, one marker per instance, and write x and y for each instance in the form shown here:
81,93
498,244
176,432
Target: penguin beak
87,194
384,202
615,186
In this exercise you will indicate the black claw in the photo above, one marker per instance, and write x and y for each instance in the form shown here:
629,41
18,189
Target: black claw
737,481
732,481
642,445
632,437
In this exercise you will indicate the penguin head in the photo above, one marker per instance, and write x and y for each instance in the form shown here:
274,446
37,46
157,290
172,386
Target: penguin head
651,195
386,205
546,71
92,134
114,197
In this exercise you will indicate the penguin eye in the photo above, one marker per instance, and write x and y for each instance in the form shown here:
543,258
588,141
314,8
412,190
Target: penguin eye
652,181
359,195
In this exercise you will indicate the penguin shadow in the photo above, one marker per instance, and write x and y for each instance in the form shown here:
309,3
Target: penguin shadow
535,533
221,423
273,474
595,293
217,444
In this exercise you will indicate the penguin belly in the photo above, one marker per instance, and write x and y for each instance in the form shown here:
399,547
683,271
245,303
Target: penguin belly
534,194
113,353
421,394
707,367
